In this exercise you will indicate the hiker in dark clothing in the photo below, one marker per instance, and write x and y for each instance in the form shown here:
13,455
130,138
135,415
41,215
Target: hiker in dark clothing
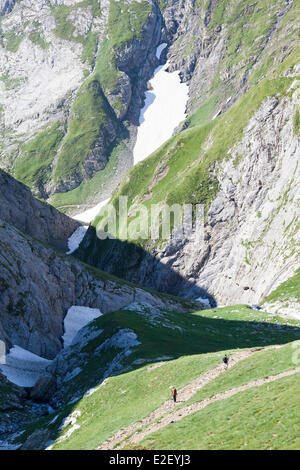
174,394
226,361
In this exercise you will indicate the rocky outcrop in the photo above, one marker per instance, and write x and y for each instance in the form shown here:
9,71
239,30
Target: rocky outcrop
252,234
11,396
40,220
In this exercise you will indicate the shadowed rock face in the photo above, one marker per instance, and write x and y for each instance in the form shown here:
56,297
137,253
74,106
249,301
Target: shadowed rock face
38,285
19,208
11,396
6,6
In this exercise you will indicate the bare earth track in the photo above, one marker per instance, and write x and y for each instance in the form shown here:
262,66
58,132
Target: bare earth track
164,415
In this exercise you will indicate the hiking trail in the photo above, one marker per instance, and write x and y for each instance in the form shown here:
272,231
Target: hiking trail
156,420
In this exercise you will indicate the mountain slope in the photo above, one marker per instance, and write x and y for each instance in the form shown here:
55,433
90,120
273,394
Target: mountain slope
285,299
39,284
244,168
40,220
142,374
73,75
222,424
73,78
68,83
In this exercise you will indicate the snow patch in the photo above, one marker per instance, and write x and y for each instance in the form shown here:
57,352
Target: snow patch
89,215
24,368
70,420
160,48
76,238
76,318
165,108
53,420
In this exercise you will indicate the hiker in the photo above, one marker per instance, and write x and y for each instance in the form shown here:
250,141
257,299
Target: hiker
226,361
174,394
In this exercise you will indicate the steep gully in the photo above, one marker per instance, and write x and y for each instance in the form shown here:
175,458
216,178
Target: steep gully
164,109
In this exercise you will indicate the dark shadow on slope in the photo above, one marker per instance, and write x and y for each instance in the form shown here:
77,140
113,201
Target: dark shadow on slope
133,263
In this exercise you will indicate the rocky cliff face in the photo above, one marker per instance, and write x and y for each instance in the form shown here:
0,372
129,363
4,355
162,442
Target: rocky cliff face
237,153
222,48
38,285
19,208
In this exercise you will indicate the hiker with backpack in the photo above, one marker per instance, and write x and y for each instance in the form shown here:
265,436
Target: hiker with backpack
174,394
226,361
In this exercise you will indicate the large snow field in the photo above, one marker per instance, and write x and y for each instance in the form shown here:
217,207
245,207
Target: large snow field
164,109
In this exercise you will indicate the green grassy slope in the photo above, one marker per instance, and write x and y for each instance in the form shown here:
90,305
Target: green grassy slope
260,365
193,344
286,291
91,114
261,418
34,166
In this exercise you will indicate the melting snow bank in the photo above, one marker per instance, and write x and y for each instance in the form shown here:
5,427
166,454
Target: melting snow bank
89,215
23,368
76,319
164,109
76,238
